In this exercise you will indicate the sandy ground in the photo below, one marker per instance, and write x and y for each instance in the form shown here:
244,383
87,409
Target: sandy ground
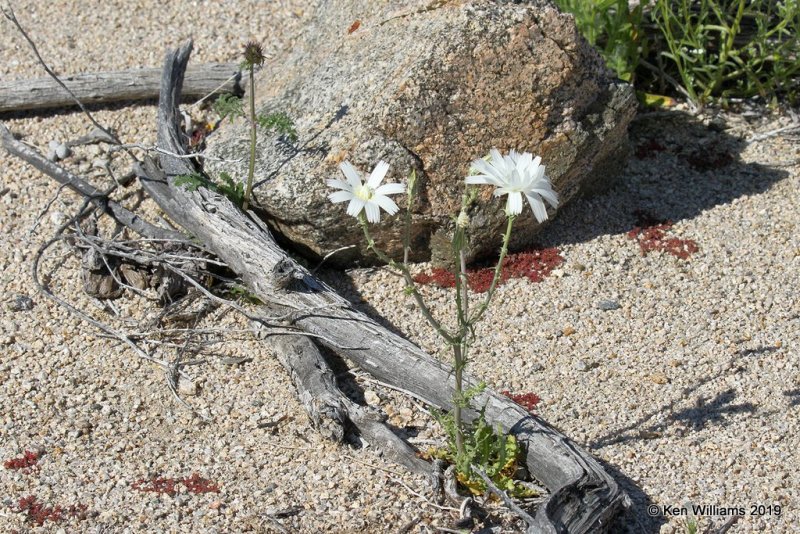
688,390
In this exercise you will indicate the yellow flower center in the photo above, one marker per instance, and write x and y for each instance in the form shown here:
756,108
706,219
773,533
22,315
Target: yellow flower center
364,192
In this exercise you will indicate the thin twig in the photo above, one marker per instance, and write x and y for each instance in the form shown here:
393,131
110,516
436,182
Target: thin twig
8,12
153,148
522,514
80,186
773,133
328,255
214,91
264,321
44,211
69,307
419,495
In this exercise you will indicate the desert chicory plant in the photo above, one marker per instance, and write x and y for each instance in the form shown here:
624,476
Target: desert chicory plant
253,56
515,175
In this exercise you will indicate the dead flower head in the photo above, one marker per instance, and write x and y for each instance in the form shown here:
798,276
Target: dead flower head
253,54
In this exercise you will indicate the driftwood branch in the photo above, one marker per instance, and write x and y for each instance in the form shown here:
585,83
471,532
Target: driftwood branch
115,86
584,498
77,184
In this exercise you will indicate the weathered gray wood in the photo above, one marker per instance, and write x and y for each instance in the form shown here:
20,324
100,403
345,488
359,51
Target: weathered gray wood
584,497
115,86
329,409
77,184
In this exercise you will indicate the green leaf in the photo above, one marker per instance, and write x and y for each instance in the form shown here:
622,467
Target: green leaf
228,105
191,182
279,122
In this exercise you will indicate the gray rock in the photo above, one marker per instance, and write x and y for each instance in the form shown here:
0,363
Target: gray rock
584,366
21,303
57,151
608,305
430,87
62,151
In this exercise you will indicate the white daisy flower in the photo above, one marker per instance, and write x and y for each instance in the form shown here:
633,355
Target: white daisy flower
370,196
515,175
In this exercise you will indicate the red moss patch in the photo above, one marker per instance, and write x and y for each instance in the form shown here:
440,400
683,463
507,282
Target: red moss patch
197,484
709,158
649,148
526,400
38,513
169,486
535,265
27,461
354,26
157,485
651,234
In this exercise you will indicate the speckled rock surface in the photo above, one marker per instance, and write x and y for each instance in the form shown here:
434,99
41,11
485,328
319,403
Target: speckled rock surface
429,86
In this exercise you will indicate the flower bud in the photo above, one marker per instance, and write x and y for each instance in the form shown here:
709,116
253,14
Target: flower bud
463,220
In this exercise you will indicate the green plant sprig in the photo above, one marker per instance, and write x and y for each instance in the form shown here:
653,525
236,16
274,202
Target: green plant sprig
707,50
459,340
229,187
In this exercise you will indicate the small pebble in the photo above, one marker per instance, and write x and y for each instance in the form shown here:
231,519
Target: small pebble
608,305
21,303
186,387
372,398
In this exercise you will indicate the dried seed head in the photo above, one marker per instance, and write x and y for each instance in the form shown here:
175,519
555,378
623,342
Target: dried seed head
253,54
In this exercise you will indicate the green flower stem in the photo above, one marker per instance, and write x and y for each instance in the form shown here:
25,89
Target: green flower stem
412,189
497,271
253,136
403,268
460,347
459,364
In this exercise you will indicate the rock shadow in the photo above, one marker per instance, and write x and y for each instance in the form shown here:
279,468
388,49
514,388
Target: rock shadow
679,168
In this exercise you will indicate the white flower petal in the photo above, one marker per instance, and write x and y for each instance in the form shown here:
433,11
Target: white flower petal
378,174
486,169
496,156
524,160
340,196
538,173
355,207
390,189
386,203
546,193
538,207
373,212
482,179
339,184
514,204
352,175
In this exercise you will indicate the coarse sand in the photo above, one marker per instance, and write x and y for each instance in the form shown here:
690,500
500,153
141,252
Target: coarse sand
681,375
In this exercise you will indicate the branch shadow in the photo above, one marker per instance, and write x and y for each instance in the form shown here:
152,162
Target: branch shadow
705,411
635,519
794,397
